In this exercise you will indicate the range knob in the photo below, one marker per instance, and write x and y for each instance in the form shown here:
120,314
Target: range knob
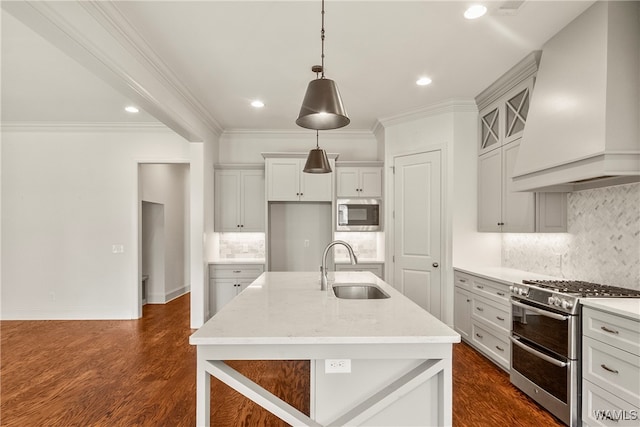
567,304
522,291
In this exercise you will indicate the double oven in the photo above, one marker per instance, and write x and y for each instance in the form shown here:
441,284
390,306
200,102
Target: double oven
545,356
546,341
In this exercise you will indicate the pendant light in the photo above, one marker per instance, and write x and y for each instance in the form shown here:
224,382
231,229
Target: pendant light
317,161
322,106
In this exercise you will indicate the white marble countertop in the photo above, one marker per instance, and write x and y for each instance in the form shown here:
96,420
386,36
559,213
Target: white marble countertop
360,261
290,308
627,307
504,275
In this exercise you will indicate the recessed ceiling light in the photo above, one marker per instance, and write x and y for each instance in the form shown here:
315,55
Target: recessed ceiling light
257,104
131,109
423,81
475,11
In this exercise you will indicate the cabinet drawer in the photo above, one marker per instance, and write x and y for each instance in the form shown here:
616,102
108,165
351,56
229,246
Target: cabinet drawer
491,312
617,331
615,370
496,346
232,271
601,408
463,280
492,290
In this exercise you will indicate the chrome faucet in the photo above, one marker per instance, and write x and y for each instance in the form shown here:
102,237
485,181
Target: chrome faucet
323,267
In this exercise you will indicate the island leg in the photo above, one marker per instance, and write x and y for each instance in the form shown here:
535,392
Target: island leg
203,392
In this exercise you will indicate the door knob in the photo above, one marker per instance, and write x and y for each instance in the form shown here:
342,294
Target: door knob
435,264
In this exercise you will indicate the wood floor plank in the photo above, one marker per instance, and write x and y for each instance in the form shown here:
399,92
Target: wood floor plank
142,373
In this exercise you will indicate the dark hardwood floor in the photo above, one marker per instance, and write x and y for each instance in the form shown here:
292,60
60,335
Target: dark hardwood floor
142,373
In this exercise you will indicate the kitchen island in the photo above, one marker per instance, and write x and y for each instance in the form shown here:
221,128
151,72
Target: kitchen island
399,354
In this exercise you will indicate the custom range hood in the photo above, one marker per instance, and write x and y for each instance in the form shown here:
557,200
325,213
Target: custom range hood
583,127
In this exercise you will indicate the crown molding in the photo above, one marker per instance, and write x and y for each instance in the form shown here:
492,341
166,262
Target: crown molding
526,68
84,127
449,106
289,133
115,23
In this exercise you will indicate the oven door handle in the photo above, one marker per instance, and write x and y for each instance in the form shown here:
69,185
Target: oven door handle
540,312
537,353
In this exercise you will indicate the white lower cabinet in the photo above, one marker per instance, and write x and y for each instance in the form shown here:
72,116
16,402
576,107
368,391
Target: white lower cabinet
226,281
375,268
610,369
482,316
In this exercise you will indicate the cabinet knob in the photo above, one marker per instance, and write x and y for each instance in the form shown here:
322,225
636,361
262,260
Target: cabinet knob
238,225
501,223
435,265
241,225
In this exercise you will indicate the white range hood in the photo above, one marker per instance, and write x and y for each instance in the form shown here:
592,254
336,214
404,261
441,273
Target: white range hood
583,127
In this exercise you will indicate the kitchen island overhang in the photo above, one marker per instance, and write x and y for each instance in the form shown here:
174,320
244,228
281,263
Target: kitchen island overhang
401,355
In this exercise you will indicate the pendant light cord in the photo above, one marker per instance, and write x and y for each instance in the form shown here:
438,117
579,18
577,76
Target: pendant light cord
322,40
317,140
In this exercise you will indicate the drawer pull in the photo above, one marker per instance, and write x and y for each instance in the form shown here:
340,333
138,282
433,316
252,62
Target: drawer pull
479,336
500,293
468,300
611,331
237,271
606,368
500,348
479,308
462,280
479,286
500,318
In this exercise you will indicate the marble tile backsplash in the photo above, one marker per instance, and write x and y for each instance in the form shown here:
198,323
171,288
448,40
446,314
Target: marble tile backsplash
602,244
247,246
368,246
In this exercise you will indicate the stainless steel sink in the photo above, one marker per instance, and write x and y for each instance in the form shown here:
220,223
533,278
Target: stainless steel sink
358,291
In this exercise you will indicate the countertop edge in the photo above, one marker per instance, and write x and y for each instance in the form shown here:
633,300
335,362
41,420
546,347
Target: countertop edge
624,307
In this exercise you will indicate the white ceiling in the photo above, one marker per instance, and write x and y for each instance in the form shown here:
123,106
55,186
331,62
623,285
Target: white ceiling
226,53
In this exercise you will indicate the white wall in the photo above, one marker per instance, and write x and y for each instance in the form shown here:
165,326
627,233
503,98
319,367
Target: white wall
245,147
451,128
67,197
168,185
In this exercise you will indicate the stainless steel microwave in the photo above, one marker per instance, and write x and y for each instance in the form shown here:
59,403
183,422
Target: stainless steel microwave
359,215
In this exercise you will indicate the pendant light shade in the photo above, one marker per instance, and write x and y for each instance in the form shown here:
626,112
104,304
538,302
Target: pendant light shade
317,160
322,106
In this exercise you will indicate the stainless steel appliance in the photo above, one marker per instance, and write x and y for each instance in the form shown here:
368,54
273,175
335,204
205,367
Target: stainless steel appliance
546,346
359,215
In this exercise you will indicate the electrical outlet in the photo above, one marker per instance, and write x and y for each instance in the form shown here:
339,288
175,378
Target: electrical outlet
306,243
337,366
117,249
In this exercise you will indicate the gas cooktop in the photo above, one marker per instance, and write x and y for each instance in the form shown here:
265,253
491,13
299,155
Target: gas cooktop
584,289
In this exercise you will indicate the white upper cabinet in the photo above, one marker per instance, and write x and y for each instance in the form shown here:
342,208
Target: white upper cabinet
239,200
363,181
504,107
286,182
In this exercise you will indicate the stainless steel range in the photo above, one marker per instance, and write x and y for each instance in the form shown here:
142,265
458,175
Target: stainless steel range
546,333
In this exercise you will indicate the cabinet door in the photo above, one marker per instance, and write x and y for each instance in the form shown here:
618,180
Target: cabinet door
226,290
227,200
370,182
316,187
462,312
490,128
348,182
518,208
551,212
252,197
489,191
516,109
284,179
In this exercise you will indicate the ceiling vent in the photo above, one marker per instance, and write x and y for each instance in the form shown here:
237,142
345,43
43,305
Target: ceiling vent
509,8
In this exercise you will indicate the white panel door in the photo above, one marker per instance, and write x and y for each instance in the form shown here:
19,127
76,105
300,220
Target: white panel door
227,200
284,179
417,226
347,182
316,187
252,200
371,182
518,213
490,191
